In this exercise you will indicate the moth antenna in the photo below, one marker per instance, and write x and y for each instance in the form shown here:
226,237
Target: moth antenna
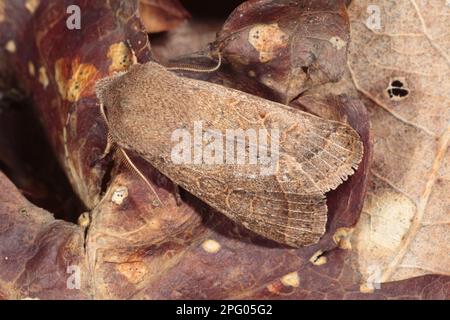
134,169
192,68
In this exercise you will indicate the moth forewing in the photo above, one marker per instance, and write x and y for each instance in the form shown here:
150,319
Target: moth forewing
277,192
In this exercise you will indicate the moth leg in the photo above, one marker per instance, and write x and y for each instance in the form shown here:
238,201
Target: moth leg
131,166
176,194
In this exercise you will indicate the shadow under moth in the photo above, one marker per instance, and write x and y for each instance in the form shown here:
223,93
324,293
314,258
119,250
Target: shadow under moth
263,164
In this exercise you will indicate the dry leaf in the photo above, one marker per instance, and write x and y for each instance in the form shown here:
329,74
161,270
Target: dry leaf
288,46
404,230
162,15
36,247
192,36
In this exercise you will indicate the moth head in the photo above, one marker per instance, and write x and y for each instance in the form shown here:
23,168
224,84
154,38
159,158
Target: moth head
106,89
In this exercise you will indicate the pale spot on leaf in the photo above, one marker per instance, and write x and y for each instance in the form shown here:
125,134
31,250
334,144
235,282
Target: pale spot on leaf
267,39
211,246
390,219
342,238
84,220
74,78
31,69
366,288
43,78
10,46
134,272
31,5
154,224
156,203
337,42
121,57
119,195
291,279
318,259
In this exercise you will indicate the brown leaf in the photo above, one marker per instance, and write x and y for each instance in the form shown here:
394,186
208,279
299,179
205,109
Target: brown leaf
404,229
131,240
34,248
288,46
190,37
59,70
161,15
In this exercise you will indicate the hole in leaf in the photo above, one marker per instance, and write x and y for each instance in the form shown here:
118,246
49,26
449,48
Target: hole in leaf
397,83
397,89
396,92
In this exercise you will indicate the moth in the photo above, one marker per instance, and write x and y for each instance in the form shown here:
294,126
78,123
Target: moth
151,111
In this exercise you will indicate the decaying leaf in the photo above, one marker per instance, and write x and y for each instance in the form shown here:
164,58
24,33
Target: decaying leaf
404,229
161,15
30,239
192,36
288,46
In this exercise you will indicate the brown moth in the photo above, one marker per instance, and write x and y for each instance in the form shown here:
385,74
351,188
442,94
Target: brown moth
279,193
